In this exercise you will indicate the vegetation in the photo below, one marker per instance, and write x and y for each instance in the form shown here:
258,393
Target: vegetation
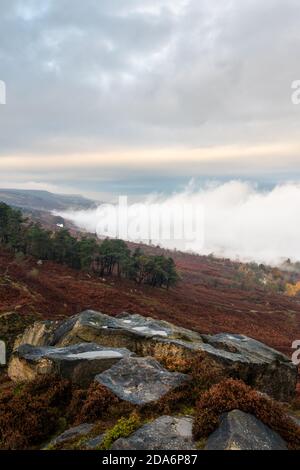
123,428
111,257
90,405
31,413
11,325
293,290
232,394
277,280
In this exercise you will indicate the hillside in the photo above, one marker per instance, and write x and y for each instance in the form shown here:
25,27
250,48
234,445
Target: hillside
210,298
43,200
131,366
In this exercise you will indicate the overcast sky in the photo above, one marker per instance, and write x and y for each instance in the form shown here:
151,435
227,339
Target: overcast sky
136,96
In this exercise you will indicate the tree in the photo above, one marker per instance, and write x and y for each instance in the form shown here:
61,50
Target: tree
172,274
65,249
38,242
111,257
113,254
86,249
11,227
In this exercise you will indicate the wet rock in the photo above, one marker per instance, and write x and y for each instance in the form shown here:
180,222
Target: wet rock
81,430
243,431
239,356
140,380
165,433
80,362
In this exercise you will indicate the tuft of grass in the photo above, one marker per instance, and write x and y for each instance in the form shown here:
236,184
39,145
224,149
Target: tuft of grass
18,389
200,445
123,428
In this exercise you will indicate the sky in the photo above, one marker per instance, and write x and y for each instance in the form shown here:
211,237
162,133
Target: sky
112,97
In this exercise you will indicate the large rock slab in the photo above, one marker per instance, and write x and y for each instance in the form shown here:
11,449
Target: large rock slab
242,431
140,380
258,365
80,362
165,433
130,331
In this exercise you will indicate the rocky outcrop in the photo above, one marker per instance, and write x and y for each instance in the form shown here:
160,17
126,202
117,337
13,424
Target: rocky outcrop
140,380
69,434
165,433
80,362
258,365
38,334
130,331
242,431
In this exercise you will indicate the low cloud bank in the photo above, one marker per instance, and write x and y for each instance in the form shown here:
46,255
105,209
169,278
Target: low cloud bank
240,221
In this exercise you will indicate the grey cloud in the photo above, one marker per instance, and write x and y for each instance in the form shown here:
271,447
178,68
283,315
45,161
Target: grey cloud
84,76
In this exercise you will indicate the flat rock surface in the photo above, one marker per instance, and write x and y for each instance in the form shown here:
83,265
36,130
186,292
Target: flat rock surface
140,380
165,433
243,431
80,362
99,325
249,349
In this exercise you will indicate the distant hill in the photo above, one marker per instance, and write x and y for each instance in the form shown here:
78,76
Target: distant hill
43,200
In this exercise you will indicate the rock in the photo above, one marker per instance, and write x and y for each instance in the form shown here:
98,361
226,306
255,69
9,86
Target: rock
165,433
46,333
127,330
80,362
140,380
94,442
2,353
243,431
239,356
255,363
81,430
38,334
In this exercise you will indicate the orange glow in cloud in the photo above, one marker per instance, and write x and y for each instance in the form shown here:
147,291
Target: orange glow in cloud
157,157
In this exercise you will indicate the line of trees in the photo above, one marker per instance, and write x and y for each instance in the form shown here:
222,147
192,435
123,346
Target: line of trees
110,257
